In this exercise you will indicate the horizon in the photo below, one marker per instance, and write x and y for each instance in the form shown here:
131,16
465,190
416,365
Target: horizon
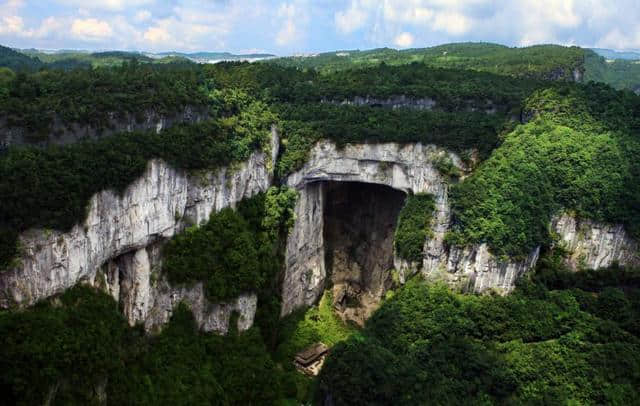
304,54
302,27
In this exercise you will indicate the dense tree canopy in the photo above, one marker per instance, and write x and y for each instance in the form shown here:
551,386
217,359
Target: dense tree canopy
537,346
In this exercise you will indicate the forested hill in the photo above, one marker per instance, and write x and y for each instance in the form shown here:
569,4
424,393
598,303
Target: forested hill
17,61
538,62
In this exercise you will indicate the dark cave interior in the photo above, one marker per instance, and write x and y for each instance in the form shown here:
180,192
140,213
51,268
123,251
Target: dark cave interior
359,225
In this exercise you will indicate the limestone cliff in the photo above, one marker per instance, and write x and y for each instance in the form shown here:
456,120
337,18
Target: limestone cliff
593,245
422,103
118,246
119,228
410,168
65,133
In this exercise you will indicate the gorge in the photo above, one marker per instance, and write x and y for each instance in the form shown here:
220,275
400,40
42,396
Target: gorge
442,234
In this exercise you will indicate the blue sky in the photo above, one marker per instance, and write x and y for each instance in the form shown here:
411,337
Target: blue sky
304,26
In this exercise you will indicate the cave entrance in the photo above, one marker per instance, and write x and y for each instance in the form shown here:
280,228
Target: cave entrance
359,225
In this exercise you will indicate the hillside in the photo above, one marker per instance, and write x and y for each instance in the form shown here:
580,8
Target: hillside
542,61
537,62
17,61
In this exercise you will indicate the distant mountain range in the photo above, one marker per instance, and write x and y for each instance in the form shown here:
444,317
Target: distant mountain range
611,54
212,57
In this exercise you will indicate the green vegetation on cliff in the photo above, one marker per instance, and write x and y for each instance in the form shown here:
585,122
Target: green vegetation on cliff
537,346
414,227
56,183
15,60
235,251
96,97
304,125
78,349
619,73
580,155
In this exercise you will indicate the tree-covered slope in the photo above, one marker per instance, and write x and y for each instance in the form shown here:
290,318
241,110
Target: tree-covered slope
579,153
540,61
619,73
78,349
578,344
15,60
33,101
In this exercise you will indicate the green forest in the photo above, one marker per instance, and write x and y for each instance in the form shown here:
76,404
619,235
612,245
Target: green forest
536,147
560,338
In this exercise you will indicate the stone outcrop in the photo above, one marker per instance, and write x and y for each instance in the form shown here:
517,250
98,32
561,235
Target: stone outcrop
119,228
408,168
394,102
64,133
407,102
593,245
135,280
473,268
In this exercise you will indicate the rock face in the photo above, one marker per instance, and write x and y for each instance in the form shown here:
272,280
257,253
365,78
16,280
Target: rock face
423,103
359,229
407,168
394,102
118,246
594,245
62,133
135,280
472,268
410,169
119,228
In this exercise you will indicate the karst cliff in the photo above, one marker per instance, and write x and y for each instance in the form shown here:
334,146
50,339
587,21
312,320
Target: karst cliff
342,238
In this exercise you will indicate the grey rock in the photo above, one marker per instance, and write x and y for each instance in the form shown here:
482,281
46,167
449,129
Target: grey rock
113,237
594,245
64,133
408,168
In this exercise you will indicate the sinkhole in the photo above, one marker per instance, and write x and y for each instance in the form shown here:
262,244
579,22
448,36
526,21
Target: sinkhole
359,226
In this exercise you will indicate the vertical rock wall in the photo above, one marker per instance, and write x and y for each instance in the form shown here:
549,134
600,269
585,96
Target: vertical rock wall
410,168
593,245
407,168
118,229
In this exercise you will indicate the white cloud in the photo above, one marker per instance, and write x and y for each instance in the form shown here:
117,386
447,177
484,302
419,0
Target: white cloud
453,23
157,35
616,39
114,5
588,22
142,16
91,29
351,19
404,40
11,25
392,16
294,19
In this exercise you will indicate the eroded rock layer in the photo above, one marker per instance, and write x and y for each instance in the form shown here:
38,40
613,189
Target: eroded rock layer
411,168
118,229
407,168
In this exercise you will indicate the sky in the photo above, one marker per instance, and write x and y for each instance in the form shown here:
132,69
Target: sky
286,27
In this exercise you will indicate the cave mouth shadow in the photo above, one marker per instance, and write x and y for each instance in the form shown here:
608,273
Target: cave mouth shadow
359,225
